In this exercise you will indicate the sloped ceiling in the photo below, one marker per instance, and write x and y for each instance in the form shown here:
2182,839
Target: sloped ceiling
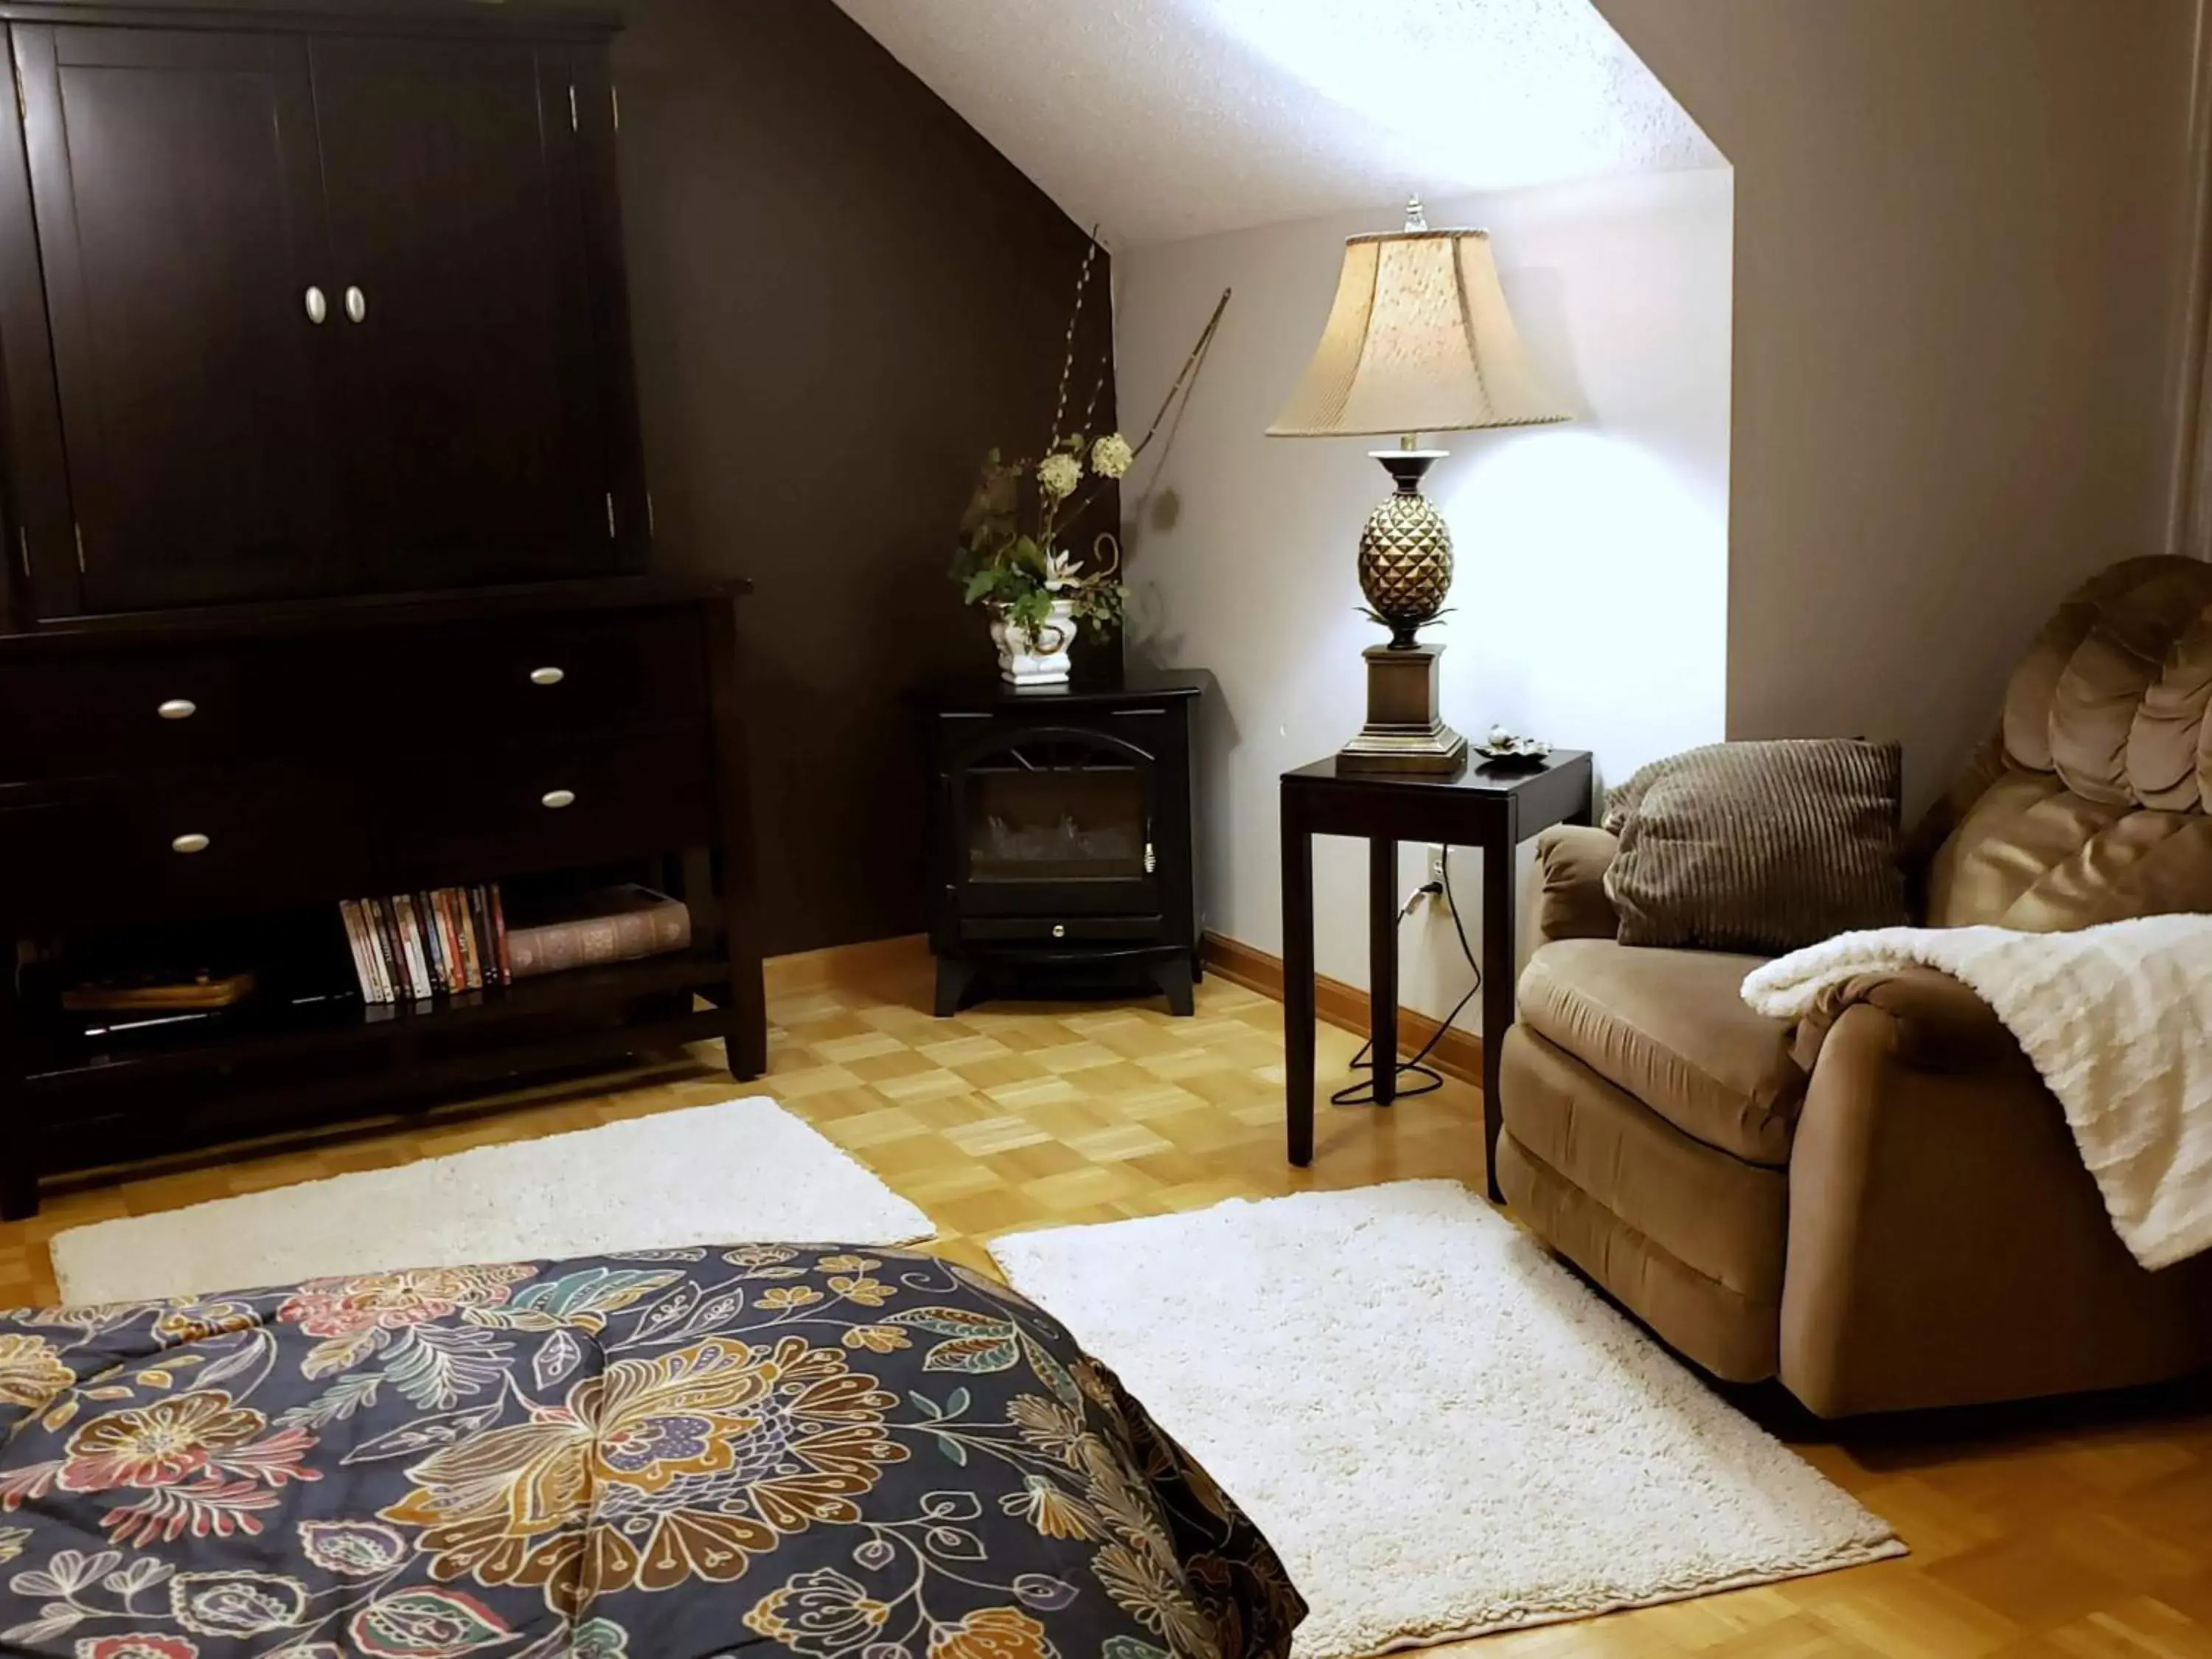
1157,119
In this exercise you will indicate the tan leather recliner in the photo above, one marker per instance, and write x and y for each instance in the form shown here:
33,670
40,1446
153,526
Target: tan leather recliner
1882,1205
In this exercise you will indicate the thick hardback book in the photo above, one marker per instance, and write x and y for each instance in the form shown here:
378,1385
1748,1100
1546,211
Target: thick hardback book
619,924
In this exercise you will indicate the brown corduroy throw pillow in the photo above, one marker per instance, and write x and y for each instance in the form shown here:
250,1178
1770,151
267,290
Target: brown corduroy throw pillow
1759,846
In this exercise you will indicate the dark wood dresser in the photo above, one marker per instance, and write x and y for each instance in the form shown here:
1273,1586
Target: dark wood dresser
330,553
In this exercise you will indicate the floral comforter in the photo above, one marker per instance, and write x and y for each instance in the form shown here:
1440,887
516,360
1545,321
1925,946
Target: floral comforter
840,1453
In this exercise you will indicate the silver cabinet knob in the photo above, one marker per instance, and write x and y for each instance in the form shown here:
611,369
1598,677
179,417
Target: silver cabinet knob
192,843
1059,930
356,305
319,308
177,709
547,676
557,798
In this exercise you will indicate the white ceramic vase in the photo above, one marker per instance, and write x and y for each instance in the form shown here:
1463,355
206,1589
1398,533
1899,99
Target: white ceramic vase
1038,656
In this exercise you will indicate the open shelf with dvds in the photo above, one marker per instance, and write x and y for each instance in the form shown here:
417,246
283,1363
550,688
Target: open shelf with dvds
296,1015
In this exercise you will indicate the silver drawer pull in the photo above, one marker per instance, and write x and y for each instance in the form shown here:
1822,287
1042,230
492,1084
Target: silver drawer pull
547,676
557,798
319,308
191,843
356,305
177,709
1059,930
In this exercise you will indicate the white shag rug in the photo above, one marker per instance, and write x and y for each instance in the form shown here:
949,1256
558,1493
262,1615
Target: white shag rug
1441,1430
744,1171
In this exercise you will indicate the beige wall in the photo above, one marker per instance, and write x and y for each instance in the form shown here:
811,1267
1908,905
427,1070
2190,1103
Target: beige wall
1591,593
1960,250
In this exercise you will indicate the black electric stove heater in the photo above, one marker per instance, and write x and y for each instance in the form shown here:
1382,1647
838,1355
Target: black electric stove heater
1062,850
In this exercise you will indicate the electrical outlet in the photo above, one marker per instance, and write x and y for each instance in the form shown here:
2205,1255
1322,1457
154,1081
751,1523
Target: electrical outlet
1437,856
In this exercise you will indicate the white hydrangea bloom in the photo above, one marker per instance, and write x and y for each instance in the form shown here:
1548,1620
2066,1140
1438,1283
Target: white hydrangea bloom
1111,455
1058,474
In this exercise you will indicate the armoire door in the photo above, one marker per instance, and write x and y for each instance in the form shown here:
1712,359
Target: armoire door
179,214
474,449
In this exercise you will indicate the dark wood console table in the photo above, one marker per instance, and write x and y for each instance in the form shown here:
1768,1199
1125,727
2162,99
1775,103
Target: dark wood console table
1491,809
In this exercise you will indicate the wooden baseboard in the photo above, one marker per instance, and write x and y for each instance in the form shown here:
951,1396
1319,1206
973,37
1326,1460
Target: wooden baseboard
809,970
1457,1053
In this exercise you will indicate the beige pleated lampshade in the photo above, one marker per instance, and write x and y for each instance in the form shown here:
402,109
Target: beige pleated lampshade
1419,340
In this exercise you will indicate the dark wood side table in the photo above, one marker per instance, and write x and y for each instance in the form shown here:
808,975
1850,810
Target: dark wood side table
1492,809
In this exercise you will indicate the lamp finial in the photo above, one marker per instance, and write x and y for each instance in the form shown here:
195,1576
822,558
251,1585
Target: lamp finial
1415,219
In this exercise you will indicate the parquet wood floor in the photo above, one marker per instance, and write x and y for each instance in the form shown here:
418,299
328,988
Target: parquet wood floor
2081,1530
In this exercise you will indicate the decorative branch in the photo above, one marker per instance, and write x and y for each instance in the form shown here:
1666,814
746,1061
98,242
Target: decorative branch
1022,577
1190,366
1068,368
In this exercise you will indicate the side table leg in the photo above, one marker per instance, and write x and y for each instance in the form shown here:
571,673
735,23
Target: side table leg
1297,983
1382,966
1498,954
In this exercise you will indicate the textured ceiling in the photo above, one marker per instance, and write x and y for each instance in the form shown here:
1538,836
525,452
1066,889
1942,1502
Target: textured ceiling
1165,119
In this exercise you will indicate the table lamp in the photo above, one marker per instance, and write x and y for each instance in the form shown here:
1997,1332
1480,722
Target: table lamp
1419,340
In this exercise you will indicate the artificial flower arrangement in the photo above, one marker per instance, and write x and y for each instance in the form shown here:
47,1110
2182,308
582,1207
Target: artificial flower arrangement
1020,574
1010,560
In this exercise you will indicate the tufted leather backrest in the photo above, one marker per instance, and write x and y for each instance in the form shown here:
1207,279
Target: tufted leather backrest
2091,804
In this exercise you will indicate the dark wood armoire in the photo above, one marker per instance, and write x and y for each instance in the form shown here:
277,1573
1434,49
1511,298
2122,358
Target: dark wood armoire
330,554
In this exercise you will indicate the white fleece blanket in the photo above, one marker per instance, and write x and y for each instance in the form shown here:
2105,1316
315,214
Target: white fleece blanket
2117,1019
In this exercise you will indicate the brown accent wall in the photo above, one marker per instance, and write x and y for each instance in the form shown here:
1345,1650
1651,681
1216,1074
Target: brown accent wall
1960,249
842,297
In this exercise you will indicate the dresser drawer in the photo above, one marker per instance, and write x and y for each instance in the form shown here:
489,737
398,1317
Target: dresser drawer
205,845
553,677
554,805
362,692
133,853
144,711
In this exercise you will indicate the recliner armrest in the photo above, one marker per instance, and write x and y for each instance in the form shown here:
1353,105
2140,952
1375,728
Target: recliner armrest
1941,1025
1571,904
1946,1244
